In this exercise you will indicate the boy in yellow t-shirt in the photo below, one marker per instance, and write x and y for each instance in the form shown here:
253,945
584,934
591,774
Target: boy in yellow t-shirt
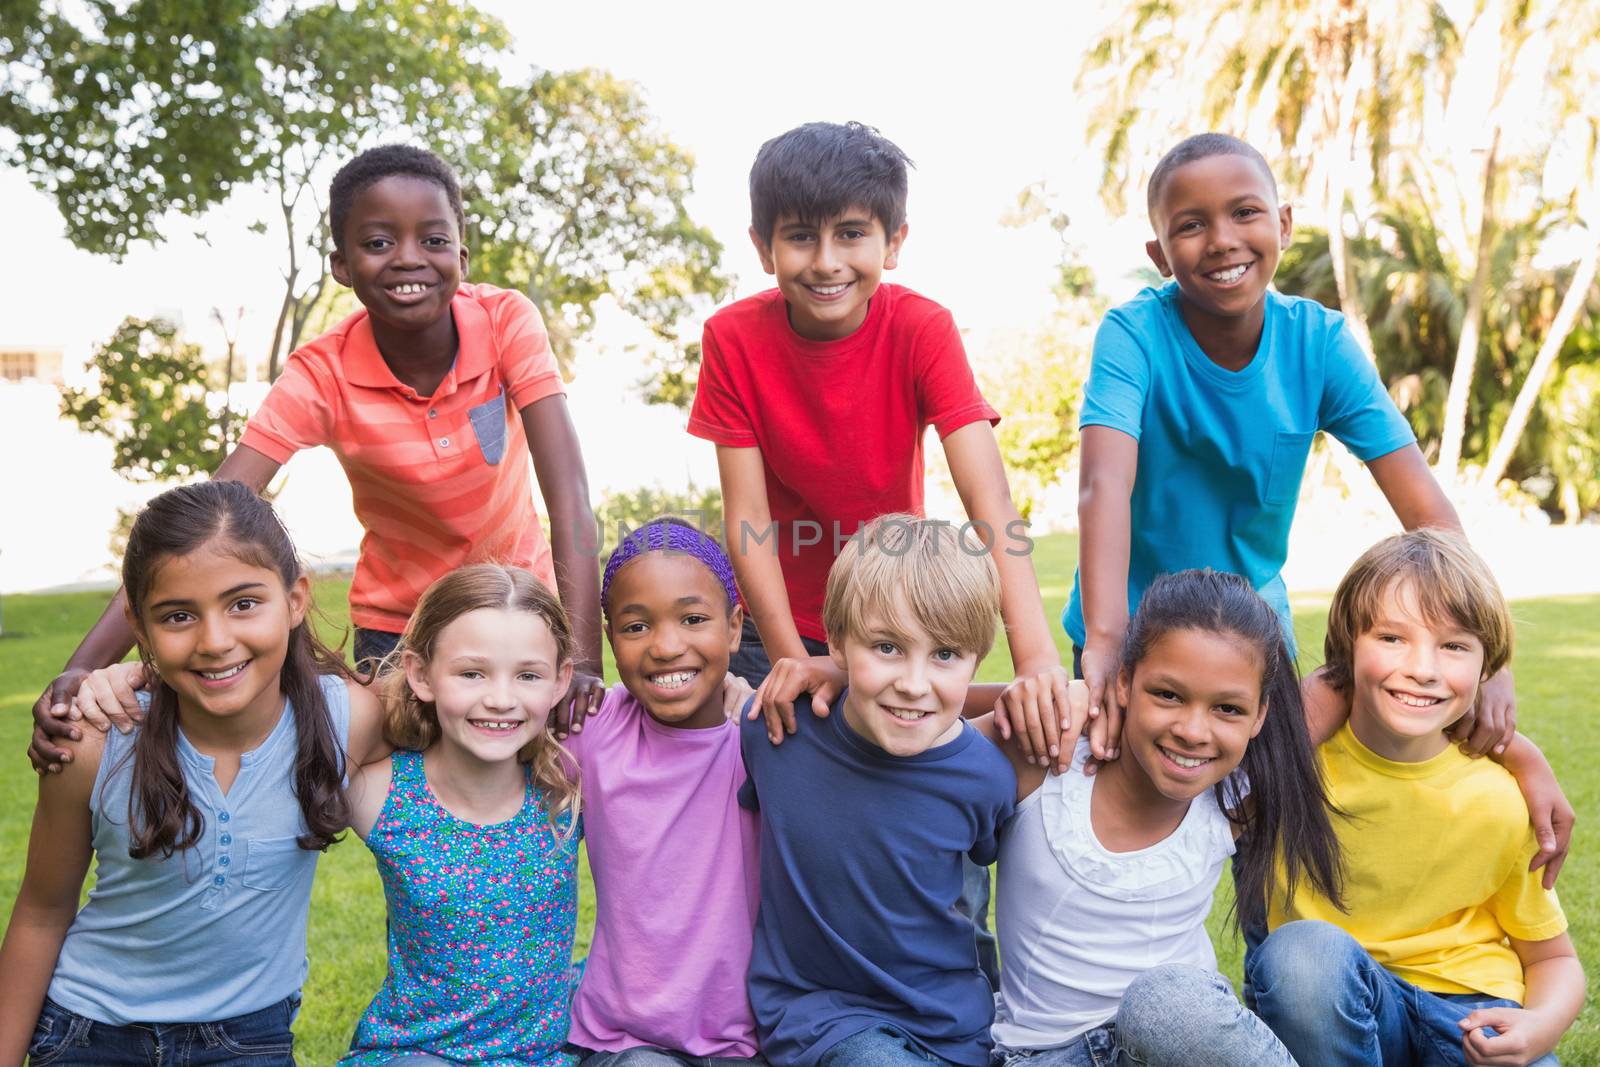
1449,950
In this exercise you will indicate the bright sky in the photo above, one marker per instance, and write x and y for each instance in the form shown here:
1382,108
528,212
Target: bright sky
981,99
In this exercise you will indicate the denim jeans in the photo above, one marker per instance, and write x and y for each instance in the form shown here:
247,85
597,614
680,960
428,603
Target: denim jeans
751,661
881,1046
371,646
260,1039
1332,1003
1171,1016
650,1056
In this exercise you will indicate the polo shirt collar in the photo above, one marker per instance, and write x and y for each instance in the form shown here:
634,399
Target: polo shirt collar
364,365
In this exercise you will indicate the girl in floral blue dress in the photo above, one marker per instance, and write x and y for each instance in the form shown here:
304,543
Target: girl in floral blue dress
474,824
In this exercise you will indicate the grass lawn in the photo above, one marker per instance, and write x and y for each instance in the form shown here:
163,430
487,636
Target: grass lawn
1557,667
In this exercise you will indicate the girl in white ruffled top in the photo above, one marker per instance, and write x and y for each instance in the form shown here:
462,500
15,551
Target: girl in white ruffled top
1105,882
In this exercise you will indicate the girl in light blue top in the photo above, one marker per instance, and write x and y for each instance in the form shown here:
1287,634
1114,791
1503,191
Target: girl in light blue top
206,820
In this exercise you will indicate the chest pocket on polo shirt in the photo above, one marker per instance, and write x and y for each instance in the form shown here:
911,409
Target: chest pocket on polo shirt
271,862
1289,452
489,424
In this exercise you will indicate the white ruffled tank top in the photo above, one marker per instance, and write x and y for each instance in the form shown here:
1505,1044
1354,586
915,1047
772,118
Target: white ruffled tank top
1078,923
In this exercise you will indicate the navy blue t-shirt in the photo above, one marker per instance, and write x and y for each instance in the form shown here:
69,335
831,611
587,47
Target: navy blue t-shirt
860,872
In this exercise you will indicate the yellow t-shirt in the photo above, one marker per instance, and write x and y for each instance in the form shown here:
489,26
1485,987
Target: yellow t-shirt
1436,869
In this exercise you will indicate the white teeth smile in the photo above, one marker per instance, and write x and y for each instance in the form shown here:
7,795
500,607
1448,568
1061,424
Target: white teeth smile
907,714
1414,701
1232,274
408,289
828,290
217,676
674,679
1186,761
495,724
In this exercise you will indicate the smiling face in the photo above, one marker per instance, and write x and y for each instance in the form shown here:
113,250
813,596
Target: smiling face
492,680
672,632
217,629
828,273
1412,677
402,253
905,691
1219,232
1194,702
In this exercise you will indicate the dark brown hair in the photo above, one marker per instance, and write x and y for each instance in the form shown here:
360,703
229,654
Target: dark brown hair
162,817
1288,820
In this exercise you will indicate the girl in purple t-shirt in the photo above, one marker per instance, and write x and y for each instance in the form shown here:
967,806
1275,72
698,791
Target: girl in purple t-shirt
672,854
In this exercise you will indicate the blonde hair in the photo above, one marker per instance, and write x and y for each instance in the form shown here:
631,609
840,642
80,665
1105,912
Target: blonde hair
914,575
410,722
1452,585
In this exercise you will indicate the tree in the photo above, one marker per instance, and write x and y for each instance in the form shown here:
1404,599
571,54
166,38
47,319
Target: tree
125,111
154,399
580,197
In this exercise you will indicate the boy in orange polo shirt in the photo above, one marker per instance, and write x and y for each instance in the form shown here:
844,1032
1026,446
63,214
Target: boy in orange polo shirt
428,396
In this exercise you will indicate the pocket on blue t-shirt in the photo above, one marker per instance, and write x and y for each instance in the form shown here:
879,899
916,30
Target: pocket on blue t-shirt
1289,452
489,423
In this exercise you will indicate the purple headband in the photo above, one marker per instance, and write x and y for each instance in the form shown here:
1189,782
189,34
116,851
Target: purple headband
664,535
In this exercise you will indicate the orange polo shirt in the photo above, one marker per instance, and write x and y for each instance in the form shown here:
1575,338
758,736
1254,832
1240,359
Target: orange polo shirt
437,481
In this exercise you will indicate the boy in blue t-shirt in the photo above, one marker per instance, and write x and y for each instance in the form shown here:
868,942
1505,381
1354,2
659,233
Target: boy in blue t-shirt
866,814
1203,399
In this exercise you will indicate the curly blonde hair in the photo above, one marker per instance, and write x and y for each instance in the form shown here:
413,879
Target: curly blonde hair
413,723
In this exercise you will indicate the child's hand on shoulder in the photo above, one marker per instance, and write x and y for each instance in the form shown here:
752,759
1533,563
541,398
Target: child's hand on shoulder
1100,666
735,693
1046,712
107,697
584,694
790,677
1492,721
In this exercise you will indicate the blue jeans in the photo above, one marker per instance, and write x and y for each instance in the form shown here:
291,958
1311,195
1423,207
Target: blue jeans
881,1046
1332,1003
650,1056
260,1039
1170,1016
371,646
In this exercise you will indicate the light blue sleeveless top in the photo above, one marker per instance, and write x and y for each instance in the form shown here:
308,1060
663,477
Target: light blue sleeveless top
216,930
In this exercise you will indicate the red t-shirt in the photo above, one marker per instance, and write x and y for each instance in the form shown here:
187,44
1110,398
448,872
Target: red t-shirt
839,423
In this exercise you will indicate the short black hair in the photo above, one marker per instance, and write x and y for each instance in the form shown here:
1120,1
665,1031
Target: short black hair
386,161
818,171
1201,146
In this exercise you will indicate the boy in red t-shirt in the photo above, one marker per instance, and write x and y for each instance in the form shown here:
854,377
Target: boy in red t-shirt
817,394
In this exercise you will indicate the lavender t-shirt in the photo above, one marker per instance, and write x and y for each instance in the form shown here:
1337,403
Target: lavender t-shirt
675,872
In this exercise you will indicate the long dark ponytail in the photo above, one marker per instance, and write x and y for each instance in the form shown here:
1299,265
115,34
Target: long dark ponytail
162,816
1287,816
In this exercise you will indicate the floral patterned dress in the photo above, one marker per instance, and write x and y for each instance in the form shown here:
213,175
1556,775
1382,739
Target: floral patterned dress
481,922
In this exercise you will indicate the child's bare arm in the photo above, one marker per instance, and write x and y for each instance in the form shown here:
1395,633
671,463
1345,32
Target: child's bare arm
753,549
1549,811
1555,994
574,543
58,858
1105,529
367,743
1041,681
980,478
111,637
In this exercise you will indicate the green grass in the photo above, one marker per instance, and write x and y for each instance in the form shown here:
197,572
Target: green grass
1557,666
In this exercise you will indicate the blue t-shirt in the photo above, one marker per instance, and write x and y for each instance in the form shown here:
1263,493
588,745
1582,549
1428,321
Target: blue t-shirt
1221,452
860,872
